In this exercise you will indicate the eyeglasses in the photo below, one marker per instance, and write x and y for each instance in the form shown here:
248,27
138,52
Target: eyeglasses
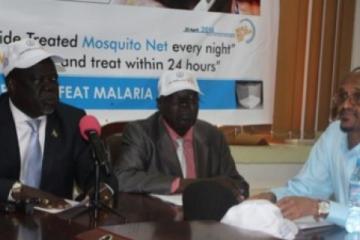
341,97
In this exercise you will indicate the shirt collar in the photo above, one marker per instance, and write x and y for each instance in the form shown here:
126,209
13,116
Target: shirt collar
18,115
173,135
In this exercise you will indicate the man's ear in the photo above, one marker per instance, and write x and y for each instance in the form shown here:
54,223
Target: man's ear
159,102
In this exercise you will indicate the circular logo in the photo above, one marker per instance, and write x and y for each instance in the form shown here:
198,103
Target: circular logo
2,57
179,74
30,42
5,62
246,31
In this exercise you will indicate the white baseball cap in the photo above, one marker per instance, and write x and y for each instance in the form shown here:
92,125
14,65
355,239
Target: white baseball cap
172,81
24,54
260,215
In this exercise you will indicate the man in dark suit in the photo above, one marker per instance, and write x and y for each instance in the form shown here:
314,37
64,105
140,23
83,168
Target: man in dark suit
61,156
172,148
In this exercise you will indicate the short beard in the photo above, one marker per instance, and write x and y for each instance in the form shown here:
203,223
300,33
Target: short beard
47,110
346,129
356,115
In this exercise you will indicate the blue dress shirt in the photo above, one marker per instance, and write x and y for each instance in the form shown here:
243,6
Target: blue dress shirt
326,173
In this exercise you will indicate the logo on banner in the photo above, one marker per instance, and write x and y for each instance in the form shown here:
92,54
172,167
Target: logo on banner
246,31
1,57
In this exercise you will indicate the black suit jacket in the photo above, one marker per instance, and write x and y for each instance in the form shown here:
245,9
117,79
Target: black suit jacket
148,160
66,158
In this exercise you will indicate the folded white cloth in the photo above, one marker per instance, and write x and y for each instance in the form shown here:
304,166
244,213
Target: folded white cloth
260,215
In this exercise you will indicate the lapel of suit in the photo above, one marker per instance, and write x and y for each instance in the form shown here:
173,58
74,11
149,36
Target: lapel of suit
10,145
167,151
201,153
52,140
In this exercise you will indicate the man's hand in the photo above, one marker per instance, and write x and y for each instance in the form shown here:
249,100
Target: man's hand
296,207
106,194
265,195
46,200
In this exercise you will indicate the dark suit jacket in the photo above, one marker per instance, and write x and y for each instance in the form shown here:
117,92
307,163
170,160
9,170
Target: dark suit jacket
148,160
66,156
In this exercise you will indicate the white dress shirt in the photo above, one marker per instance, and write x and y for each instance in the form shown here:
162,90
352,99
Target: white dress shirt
327,172
23,132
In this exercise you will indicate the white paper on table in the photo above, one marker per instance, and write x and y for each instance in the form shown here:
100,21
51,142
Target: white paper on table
309,222
175,199
59,210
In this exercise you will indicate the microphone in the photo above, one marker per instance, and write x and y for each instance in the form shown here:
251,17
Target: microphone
90,130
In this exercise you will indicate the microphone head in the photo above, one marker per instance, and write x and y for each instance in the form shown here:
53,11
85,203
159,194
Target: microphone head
89,123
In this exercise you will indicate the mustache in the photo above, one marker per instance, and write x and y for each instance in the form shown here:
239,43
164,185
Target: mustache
344,111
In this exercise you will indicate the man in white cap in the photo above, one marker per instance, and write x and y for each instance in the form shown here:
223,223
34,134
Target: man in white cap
42,152
172,148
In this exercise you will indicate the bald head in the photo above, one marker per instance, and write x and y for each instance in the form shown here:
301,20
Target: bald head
352,78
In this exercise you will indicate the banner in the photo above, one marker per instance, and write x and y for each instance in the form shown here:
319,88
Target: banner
115,52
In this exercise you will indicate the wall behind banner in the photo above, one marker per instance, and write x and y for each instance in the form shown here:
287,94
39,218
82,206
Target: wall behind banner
319,41
355,60
112,66
315,49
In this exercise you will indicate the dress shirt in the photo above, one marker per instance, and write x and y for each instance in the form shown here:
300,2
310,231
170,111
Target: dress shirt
188,149
188,152
326,173
23,131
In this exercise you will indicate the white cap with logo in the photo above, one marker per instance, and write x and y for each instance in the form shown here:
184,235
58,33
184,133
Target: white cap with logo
172,81
24,54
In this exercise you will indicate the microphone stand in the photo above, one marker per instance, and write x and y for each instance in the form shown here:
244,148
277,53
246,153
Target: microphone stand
95,204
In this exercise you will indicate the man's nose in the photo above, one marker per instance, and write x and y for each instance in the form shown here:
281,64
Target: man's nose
185,103
348,102
50,85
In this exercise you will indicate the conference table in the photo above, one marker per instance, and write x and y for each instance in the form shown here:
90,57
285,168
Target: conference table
142,217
